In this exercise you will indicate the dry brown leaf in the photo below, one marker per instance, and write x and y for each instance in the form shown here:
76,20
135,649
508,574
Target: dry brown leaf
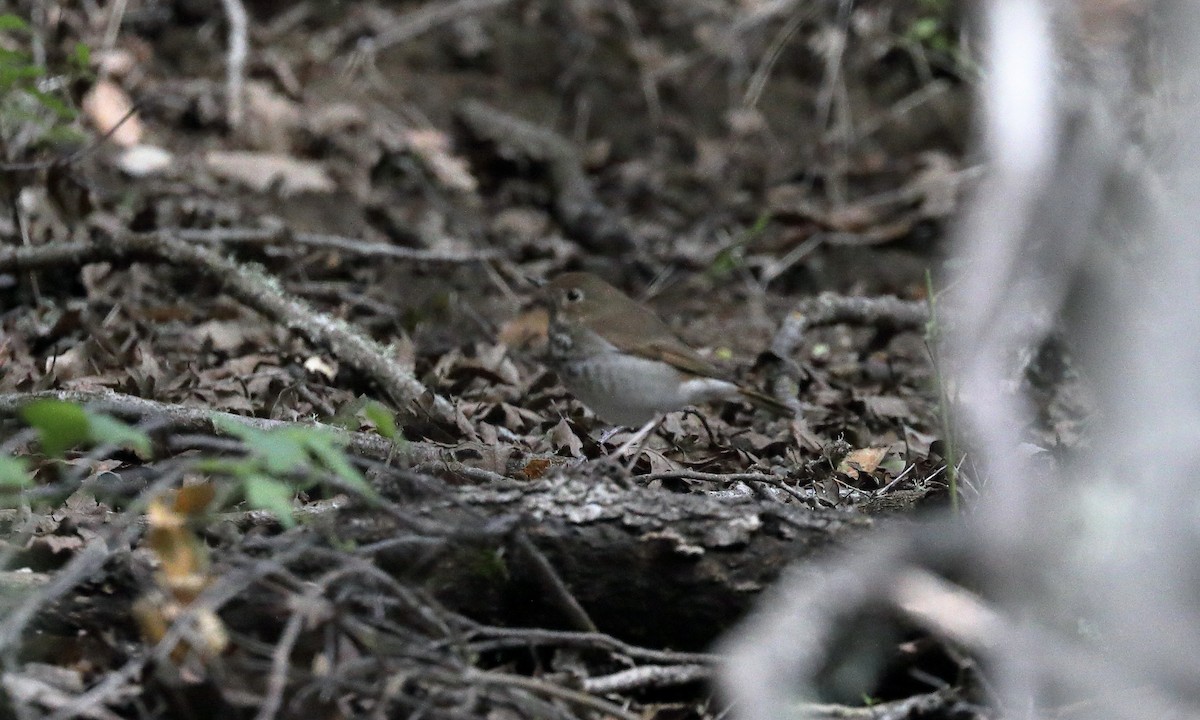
518,419
863,460
433,148
182,575
887,406
192,500
262,171
659,463
144,160
105,105
320,366
535,468
337,117
230,335
403,352
114,62
562,437
521,223
56,543
271,119
183,559
803,435
69,365
939,185
156,613
525,329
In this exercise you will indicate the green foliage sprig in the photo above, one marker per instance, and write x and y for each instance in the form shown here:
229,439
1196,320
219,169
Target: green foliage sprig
63,425
279,463
35,105
276,466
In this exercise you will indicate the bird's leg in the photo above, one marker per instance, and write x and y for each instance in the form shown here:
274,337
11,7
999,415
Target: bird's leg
634,443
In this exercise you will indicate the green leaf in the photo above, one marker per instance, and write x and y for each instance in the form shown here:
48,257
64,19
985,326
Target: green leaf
279,451
726,261
14,473
347,416
276,454
237,467
760,224
266,493
60,425
333,459
14,57
54,105
108,429
236,428
10,22
82,56
925,29
9,74
382,418
63,135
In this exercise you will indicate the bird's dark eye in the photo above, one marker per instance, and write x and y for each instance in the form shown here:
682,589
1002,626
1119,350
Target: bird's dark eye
574,295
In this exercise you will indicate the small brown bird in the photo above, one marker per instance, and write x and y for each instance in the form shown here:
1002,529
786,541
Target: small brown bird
624,363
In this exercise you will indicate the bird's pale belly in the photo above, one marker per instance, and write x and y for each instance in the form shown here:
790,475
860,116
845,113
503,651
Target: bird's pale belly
626,390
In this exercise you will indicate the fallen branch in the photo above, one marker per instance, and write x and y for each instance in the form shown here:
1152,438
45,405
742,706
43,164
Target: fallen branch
283,237
256,290
887,313
610,544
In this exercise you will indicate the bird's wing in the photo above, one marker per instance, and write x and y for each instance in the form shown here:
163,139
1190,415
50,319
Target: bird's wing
662,345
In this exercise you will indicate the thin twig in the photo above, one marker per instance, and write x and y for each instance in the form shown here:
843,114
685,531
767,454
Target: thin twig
280,660
511,637
86,561
726,478
649,676
553,584
426,18
364,248
235,61
112,28
281,655
485,677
